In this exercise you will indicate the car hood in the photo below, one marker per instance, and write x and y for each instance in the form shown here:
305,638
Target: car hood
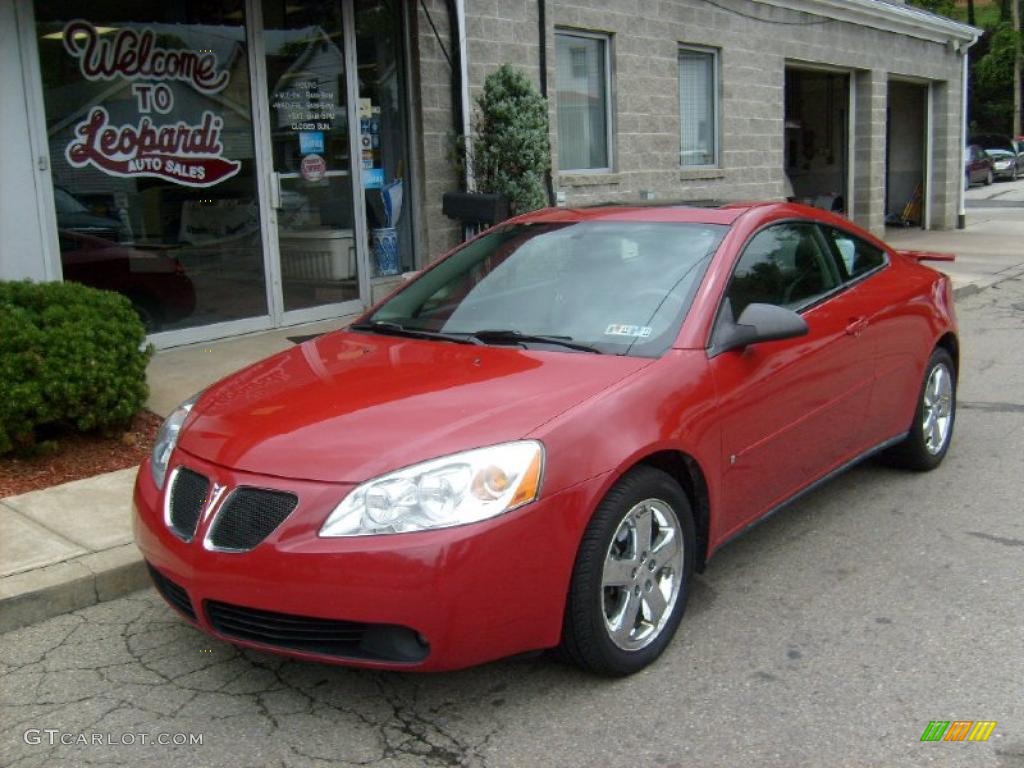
347,407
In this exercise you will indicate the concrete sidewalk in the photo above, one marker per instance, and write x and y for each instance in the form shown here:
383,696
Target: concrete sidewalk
70,546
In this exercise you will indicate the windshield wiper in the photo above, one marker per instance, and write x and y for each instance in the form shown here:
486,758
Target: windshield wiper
511,336
388,328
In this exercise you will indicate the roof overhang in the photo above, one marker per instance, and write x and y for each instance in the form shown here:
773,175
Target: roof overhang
888,16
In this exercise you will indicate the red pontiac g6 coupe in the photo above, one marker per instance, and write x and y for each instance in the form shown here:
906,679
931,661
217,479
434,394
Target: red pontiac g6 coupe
537,441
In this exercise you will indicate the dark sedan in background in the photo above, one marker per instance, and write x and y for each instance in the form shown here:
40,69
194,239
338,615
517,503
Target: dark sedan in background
978,166
1007,154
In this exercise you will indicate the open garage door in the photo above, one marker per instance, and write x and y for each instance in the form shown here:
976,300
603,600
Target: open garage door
817,141
906,142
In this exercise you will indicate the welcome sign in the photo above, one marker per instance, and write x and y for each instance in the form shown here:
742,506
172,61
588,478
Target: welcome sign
185,153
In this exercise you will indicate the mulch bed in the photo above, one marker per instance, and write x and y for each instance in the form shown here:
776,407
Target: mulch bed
79,456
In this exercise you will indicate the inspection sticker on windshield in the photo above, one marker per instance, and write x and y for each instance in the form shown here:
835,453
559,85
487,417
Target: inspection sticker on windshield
635,331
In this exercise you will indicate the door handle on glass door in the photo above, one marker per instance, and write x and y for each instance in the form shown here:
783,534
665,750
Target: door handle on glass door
857,326
275,190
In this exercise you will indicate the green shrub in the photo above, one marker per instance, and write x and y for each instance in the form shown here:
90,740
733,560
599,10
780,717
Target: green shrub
511,150
70,356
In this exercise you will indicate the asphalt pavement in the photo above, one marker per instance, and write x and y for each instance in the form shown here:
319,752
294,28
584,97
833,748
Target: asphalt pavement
831,635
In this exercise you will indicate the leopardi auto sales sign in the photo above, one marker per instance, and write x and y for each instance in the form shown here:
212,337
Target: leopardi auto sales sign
182,152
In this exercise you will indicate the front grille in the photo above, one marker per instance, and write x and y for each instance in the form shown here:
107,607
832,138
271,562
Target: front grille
249,516
328,637
187,499
172,593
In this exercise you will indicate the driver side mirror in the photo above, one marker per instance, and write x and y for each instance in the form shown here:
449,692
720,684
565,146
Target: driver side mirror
757,323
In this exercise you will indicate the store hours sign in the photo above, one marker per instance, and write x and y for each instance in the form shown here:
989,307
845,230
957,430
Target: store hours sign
155,145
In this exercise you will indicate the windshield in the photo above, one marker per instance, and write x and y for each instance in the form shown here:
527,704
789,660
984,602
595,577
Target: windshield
615,287
66,203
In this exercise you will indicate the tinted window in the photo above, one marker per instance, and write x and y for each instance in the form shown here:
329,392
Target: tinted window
856,256
622,287
785,265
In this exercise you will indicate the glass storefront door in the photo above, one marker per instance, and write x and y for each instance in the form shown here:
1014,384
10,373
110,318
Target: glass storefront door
311,151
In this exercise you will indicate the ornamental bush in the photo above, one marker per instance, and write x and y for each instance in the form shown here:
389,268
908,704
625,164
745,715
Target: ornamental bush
70,357
511,149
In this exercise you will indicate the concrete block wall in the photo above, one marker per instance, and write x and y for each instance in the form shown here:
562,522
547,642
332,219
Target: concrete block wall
754,53
433,124
870,89
948,163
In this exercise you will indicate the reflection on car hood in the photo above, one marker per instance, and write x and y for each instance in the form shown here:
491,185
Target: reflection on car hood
348,406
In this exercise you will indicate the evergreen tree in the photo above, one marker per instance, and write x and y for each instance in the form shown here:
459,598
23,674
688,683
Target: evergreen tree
511,150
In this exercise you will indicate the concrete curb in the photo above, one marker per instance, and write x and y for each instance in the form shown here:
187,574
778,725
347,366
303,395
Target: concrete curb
966,290
963,291
39,594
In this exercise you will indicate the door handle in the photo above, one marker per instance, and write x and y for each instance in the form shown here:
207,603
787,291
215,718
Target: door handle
857,326
275,191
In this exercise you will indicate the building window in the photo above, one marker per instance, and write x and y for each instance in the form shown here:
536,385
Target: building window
583,87
698,106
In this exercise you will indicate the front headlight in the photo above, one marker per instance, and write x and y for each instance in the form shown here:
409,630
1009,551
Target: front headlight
454,490
167,438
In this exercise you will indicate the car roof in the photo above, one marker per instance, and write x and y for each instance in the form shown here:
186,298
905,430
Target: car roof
682,213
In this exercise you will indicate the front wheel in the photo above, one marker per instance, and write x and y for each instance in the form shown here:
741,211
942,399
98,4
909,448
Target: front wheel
631,578
989,178
928,440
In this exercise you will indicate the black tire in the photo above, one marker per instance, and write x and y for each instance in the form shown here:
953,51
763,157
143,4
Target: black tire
586,638
989,178
914,452
149,312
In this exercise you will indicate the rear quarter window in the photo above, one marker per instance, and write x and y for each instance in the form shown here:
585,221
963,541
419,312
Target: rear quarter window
856,256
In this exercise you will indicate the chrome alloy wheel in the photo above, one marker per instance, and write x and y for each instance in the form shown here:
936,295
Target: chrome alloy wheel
642,574
937,413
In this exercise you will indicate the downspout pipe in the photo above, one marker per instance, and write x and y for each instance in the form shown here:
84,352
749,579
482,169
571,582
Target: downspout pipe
457,13
961,218
542,62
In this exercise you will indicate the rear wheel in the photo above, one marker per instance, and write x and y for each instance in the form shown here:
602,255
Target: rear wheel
989,178
630,582
928,440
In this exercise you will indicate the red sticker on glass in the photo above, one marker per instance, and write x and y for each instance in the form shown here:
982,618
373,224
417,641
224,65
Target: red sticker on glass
313,168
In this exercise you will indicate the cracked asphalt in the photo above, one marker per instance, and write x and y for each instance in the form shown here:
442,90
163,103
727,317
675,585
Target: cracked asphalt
830,635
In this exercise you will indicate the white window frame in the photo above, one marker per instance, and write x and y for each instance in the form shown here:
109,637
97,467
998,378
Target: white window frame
609,113
716,94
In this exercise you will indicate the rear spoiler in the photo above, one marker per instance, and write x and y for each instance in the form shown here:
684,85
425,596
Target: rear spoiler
928,255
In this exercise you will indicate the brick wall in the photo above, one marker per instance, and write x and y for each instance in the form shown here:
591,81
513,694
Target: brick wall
646,35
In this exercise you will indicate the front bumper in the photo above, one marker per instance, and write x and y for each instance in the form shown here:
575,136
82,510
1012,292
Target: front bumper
470,594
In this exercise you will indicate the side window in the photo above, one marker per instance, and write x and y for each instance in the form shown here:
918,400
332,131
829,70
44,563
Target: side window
785,265
856,256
